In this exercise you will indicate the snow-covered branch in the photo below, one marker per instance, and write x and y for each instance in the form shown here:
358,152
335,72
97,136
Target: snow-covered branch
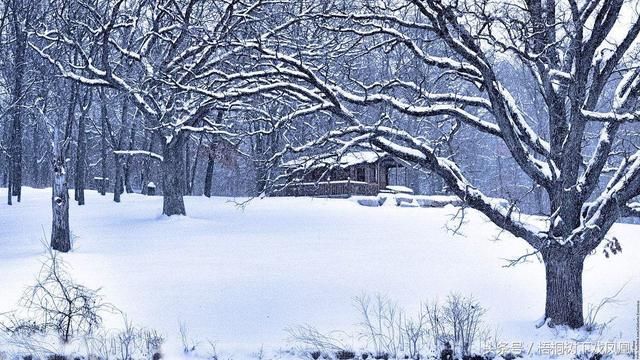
143,153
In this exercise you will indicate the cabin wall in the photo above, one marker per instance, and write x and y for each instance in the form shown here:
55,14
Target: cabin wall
372,173
377,176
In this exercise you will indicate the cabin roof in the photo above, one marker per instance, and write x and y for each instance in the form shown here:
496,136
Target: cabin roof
332,160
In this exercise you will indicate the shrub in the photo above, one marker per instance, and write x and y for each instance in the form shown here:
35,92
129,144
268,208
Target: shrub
590,355
19,327
447,352
57,307
511,356
383,323
474,357
127,343
345,354
57,303
383,356
457,323
390,333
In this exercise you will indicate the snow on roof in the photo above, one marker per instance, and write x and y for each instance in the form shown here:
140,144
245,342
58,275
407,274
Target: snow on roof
344,161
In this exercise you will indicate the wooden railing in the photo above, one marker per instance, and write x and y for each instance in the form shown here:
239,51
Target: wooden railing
341,188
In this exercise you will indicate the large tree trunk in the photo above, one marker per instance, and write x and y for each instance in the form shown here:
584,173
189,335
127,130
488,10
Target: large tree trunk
18,107
564,266
60,234
173,178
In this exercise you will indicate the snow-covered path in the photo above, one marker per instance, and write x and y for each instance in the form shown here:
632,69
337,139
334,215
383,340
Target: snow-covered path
240,276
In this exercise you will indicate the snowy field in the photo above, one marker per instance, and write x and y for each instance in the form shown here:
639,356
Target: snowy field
240,276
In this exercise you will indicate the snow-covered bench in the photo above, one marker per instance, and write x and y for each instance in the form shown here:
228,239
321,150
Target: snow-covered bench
408,200
438,200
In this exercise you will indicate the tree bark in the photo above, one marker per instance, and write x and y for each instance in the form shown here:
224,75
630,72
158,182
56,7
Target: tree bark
144,175
35,151
173,178
187,167
60,233
258,156
9,177
538,193
103,140
209,172
18,105
127,177
194,168
81,155
127,164
117,185
564,265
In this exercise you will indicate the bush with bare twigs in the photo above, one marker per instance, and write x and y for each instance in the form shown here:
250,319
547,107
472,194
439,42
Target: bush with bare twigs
127,343
58,310
389,333
59,304
458,322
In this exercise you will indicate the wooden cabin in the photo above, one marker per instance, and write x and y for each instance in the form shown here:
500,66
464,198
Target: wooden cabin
365,172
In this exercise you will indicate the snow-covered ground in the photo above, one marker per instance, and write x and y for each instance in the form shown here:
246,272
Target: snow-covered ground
240,276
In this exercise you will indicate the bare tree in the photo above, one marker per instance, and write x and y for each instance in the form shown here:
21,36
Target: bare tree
553,86
177,61
61,131
59,304
81,151
575,68
104,151
211,160
19,18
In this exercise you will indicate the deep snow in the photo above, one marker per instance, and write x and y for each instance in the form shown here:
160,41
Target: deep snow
240,275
